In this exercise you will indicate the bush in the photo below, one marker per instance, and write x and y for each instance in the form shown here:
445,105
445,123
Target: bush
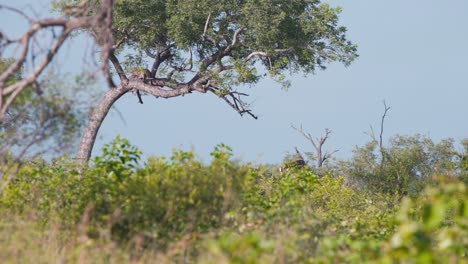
182,210
403,167
162,200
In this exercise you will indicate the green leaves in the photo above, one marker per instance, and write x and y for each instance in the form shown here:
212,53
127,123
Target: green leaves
118,158
222,152
432,228
433,214
404,166
297,35
225,211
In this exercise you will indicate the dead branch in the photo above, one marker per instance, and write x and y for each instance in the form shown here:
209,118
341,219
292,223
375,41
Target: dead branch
206,25
382,124
317,144
233,99
101,22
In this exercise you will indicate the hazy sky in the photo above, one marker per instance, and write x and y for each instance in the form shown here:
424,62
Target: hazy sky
413,54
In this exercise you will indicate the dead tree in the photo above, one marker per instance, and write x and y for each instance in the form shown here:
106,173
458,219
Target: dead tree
317,144
385,157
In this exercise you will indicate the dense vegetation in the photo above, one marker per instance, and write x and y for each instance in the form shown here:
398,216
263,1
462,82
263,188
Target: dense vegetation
410,207
405,202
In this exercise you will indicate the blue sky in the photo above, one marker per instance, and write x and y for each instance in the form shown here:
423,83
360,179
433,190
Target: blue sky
413,55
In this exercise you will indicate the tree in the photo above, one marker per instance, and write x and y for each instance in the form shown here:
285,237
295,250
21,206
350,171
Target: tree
410,162
204,46
39,113
43,121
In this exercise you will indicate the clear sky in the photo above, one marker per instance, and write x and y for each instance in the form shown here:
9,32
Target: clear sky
413,55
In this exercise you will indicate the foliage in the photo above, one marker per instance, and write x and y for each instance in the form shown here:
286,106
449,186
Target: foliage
230,247
118,159
404,166
180,209
44,121
432,228
297,36
164,198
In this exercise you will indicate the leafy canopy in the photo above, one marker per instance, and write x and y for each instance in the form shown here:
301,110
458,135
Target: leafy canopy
227,39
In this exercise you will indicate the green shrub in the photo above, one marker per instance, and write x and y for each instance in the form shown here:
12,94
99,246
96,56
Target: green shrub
179,209
163,200
433,228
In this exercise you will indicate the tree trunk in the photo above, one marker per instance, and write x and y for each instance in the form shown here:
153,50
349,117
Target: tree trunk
319,157
96,117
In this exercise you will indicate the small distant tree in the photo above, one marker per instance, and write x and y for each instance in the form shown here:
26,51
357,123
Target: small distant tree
410,163
173,48
404,165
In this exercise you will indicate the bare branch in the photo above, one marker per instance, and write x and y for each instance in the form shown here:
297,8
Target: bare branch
328,155
118,67
102,19
236,34
383,153
159,58
119,43
21,13
317,144
255,53
206,25
232,98
14,89
382,124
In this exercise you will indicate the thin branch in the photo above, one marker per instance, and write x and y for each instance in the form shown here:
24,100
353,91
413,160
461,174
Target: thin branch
104,16
236,34
140,100
234,100
255,53
119,43
328,155
383,152
21,13
16,88
206,25
382,124
159,58
117,66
